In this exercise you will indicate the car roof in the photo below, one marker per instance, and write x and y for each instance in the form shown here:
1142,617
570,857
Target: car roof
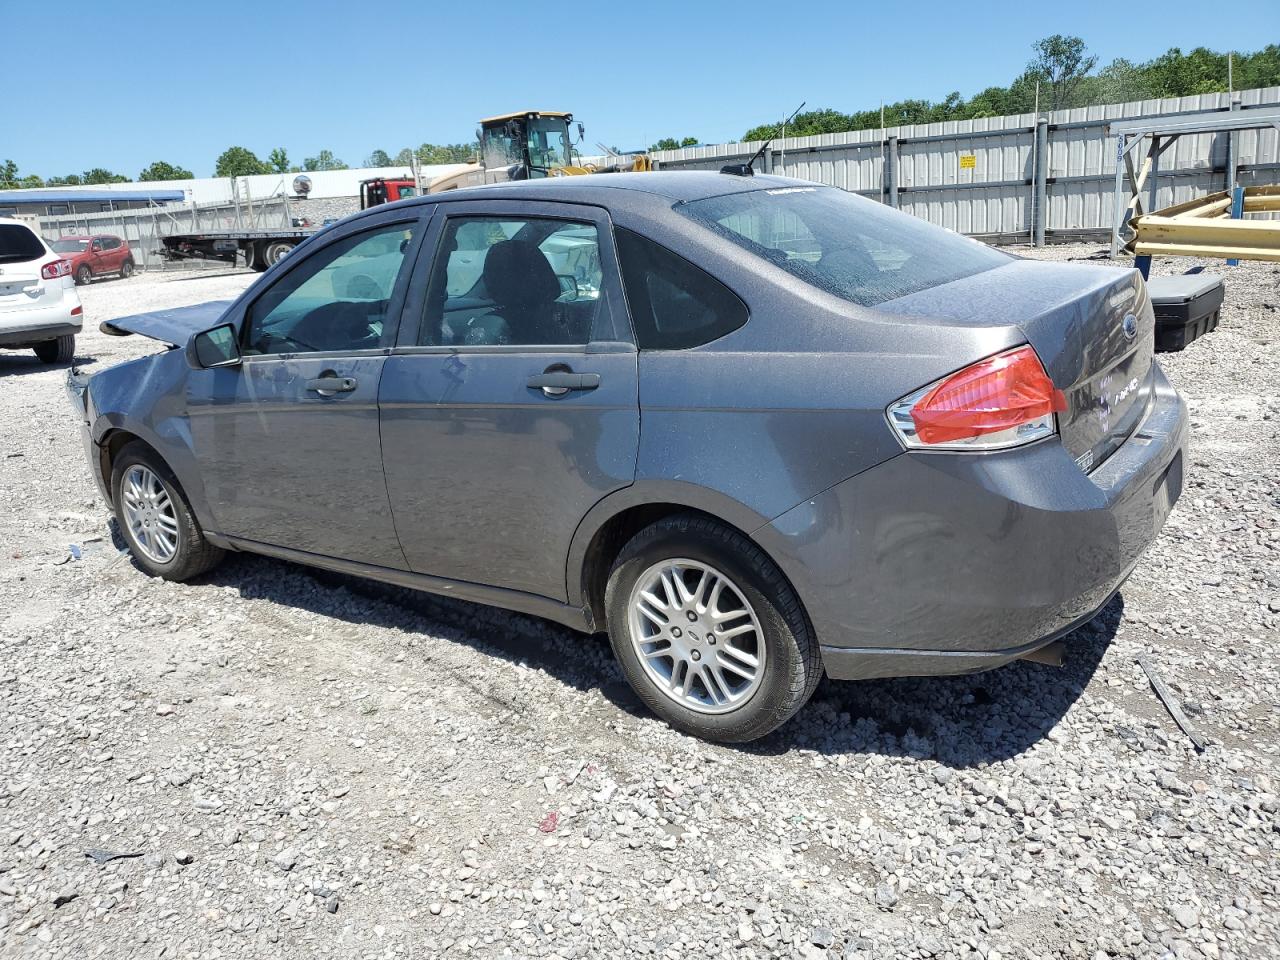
604,189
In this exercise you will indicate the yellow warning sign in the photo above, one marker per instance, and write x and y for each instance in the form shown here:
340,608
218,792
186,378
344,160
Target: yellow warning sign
968,161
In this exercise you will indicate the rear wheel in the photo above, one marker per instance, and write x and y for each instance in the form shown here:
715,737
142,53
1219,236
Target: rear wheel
126,269
253,257
708,631
83,276
276,251
62,350
155,518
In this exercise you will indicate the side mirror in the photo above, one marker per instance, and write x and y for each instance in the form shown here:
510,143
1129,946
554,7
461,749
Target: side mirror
215,348
568,285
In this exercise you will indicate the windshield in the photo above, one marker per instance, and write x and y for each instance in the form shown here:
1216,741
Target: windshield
18,244
856,249
70,244
548,144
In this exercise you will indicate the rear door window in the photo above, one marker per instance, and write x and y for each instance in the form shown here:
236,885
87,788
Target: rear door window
674,304
18,244
505,281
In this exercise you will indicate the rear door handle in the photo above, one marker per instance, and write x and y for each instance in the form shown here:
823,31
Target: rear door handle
329,384
559,382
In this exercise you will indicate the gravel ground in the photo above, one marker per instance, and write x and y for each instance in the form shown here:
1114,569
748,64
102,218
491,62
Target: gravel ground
300,765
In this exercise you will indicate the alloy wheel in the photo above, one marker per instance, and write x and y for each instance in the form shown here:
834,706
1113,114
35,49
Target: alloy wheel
148,510
698,639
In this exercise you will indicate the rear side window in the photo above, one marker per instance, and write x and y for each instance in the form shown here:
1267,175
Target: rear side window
674,304
857,249
18,244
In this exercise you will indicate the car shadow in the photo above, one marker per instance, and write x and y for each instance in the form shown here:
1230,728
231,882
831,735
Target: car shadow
961,722
16,362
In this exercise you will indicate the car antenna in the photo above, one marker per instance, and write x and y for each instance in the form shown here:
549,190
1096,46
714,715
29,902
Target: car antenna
745,169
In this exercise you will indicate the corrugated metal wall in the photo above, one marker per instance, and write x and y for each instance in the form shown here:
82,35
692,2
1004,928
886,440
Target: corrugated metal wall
993,192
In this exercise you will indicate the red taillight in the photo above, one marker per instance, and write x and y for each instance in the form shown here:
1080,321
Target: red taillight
59,268
1000,402
995,394
76,311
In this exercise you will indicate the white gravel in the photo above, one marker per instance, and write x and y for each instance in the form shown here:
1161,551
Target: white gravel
306,766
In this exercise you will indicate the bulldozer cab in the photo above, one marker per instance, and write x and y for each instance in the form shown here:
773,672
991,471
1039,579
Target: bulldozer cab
527,145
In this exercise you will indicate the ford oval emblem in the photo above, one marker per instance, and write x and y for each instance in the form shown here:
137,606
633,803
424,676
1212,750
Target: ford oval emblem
1130,326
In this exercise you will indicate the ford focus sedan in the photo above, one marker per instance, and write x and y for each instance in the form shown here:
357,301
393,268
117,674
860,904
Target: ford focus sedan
757,430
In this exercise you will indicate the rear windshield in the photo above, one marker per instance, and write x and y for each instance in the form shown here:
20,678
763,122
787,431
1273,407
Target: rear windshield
857,249
18,244
70,244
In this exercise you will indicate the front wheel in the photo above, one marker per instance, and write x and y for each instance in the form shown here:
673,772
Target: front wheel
83,276
61,350
708,631
155,518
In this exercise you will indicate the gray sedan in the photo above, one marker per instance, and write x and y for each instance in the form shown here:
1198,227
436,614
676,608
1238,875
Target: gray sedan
756,429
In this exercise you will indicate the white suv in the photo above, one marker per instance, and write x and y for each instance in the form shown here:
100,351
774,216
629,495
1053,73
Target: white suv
39,306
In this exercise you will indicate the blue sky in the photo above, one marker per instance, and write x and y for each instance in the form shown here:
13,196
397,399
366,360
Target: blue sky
120,85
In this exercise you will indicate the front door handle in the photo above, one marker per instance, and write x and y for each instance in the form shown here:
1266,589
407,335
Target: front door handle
556,383
329,383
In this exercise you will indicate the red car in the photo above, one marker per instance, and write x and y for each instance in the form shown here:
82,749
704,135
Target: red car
95,255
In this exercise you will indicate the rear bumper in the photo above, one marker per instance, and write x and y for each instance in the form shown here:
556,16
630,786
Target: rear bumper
23,328
934,563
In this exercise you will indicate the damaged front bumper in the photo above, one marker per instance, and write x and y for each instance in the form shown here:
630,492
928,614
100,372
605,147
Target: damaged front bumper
77,387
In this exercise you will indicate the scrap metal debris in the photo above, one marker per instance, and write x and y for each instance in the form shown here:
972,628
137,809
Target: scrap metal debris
106,856
1171,704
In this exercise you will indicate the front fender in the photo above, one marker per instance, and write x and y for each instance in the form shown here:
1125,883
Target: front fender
147,398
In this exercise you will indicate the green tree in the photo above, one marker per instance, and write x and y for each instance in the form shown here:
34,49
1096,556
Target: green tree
671,143
379,158
31,181
278,158
1063,62
445,153
8,175
98,175
239,162
324,160
160,170
70,180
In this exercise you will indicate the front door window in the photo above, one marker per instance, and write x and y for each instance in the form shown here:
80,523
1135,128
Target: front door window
336,301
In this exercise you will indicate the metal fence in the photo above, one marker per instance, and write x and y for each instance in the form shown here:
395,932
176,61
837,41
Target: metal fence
979,176
143,227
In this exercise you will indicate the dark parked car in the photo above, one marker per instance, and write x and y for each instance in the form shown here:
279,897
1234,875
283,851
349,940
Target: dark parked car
96,256
754,428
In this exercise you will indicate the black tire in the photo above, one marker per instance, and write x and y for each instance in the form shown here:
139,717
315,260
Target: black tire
276,251
793,662
253,257
62,350
194,554
83,276
126,270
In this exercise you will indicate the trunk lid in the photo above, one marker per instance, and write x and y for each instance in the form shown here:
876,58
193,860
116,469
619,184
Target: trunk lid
19,285
1092,327
174,326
